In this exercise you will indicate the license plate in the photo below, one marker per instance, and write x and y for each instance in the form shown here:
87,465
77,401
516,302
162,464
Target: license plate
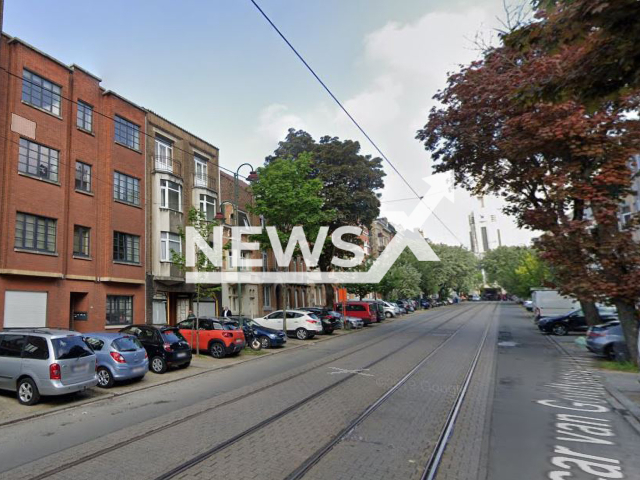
137,370
181,355
78,368
238,340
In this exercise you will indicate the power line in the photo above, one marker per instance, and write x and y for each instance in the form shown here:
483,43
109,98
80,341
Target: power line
353,120
189,154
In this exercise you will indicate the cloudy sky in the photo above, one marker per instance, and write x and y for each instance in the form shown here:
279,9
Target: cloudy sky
219,70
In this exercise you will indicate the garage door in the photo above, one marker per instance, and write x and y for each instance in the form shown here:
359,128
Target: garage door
25,309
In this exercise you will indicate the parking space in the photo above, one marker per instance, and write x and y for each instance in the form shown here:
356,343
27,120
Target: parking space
11,411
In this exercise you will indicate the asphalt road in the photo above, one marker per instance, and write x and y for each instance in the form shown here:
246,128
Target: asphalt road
372,405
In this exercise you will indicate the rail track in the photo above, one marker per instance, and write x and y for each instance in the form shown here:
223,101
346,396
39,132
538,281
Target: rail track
163,428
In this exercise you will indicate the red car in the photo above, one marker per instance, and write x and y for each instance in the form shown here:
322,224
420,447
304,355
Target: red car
218,338
363,310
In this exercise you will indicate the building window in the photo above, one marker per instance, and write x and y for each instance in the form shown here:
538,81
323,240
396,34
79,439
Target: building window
127,133
266,293
84,119
208,207
35,233
40,92
126,248
170,195
83,177
164,155
485,239
126,189
243,219
38,160
265,261
201,168
81,241
169,242
626,214
119,310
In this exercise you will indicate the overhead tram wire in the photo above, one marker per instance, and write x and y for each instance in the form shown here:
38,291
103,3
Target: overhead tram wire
113,120
353,120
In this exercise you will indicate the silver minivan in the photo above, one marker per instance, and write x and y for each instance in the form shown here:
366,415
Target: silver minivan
44,361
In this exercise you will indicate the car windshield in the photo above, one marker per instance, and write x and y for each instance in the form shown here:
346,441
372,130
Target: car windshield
127,344
172,336
70,347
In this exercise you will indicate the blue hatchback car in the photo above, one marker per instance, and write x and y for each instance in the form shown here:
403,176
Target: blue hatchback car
119,357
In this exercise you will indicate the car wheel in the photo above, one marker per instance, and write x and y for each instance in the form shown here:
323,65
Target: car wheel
609,353
216,350
158,365
257,344
28,392
184,365
302,334
388,314
265,342
559,329
105,379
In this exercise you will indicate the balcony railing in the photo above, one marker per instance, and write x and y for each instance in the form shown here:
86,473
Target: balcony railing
204,181
168,164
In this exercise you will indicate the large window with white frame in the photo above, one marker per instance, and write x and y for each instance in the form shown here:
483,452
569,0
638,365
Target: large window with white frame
201,171
208,207
169,242
164,154
171,195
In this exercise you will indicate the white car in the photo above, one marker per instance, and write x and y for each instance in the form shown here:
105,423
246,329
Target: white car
303,325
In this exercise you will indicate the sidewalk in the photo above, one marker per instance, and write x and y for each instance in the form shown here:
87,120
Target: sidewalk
624,387
11,411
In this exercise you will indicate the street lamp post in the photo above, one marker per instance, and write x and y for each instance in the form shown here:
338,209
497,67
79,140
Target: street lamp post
253,176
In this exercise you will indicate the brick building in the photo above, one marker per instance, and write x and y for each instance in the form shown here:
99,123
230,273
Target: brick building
182,172
72,173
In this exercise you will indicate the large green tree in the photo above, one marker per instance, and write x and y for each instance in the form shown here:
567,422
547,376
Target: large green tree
516,269
286,195
350,181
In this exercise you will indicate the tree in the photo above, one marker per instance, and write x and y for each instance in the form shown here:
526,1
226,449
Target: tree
349,181
204,228
401,281
362,289
562,168
597,41
287,196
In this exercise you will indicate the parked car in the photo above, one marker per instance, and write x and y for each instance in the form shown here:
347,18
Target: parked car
573,321
354,322
266,336
119,357
165,346
214,335
329,318
378,306
424,303
302,324
362,310
528,304
406,305
475,298
44,361
390,311
608,341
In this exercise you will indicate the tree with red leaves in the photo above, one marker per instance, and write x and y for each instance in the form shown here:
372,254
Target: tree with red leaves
561,168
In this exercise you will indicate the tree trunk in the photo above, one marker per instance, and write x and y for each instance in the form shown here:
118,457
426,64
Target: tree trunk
329,296
591,313
628,315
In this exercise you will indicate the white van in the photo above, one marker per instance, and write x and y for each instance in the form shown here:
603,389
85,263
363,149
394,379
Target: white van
299,323
549,303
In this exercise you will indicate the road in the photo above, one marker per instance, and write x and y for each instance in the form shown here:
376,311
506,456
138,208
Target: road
455,393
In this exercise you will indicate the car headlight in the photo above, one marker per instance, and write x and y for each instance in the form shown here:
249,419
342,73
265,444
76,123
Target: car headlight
272,335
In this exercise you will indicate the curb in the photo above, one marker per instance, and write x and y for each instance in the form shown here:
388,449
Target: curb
113,395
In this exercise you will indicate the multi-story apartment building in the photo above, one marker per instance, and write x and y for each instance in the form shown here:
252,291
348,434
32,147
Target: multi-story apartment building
182,173
381,233
72,179
484,233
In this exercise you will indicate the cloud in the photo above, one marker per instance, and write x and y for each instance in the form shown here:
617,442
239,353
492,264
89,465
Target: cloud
275,120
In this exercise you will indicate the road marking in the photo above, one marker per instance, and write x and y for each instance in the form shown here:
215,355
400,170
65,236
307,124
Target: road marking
358,371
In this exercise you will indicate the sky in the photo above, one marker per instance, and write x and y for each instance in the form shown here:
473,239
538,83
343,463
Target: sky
217,69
